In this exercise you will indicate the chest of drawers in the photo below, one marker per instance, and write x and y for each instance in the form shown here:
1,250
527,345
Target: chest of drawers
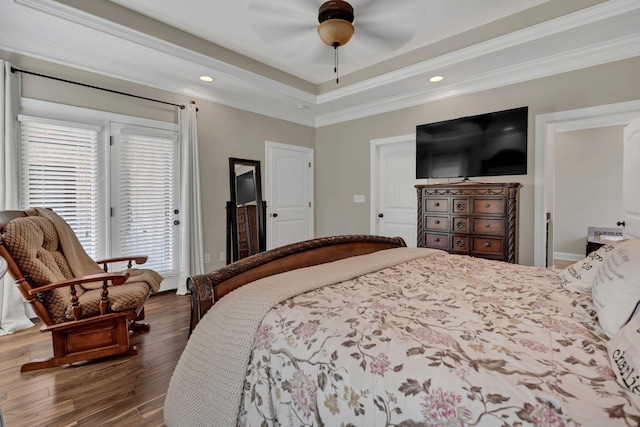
478,219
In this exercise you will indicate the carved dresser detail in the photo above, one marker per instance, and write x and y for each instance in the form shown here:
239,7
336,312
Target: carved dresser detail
478,219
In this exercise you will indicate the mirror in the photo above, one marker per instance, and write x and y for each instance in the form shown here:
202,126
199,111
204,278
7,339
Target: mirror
246,210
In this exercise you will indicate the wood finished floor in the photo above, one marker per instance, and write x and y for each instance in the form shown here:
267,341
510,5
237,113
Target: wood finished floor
127,391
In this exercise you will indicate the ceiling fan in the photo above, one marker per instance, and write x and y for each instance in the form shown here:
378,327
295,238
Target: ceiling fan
371,27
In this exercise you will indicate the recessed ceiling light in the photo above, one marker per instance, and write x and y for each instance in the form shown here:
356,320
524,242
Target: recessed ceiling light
436,79
206,78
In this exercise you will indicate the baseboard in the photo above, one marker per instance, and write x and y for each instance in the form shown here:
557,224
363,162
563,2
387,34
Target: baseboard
568,256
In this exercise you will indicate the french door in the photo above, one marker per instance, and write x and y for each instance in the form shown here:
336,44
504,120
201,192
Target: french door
144,214
116,184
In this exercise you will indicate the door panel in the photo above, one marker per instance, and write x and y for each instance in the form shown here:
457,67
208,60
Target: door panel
289,194
397,199
145,198
631,179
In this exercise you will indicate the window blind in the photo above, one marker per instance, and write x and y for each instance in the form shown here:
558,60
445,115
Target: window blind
60,164
147,199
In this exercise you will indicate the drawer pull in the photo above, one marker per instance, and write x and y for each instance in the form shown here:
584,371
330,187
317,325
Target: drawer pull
487,244
487,205
437,221
460,206
460,224
459,243
488,225
437,239
436,204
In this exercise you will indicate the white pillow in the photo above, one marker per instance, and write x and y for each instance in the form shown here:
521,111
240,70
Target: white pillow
624,355
616,287
579,277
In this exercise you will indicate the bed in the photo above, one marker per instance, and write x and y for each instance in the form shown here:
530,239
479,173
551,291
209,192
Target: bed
363,331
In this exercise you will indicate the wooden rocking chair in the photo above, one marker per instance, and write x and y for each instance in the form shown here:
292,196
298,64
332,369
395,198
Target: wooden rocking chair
89,317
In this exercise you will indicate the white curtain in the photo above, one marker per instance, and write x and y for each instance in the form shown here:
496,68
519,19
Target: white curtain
12,312
191,235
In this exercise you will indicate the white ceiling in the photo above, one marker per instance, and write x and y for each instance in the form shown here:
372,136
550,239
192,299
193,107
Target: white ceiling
55,32
283,33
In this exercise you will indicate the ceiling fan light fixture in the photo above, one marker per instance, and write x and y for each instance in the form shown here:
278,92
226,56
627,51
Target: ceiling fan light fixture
335,18
336,28
335,32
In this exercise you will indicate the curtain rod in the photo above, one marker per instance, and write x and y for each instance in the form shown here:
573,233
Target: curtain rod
17,70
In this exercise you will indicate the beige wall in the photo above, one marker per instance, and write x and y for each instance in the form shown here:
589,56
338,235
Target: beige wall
588,186
223,132
342,150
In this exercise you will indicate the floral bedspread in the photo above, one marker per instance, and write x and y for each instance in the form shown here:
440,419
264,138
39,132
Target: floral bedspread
444,340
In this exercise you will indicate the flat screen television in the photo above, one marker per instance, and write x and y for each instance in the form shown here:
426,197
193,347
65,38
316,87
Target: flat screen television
245,188
489,144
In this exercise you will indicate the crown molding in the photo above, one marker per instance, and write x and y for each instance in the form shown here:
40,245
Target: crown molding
564,24
560,63
239,88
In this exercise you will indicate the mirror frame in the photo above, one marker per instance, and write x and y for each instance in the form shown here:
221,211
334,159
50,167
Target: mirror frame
233,251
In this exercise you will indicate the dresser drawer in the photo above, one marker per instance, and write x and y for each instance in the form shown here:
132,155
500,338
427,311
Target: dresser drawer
470,218
437,223
438,241
494,227
460,244
460,205
488,246
489,206
436,205
460,224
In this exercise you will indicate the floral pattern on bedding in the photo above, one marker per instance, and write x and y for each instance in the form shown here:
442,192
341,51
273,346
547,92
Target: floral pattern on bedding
444,340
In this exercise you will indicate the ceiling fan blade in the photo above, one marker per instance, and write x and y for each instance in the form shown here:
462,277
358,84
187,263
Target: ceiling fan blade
279,31
293,9
282,20
389,25
385,9
385,38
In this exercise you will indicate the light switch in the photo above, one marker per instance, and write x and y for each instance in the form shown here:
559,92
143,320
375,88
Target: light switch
358,198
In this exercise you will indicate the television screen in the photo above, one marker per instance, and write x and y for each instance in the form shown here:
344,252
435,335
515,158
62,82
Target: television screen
245,188
485,145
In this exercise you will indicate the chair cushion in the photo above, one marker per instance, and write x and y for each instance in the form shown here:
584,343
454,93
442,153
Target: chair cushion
124,297
33,243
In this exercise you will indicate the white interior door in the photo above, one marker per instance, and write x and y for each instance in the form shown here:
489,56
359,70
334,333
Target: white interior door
394,197
631,179
289,191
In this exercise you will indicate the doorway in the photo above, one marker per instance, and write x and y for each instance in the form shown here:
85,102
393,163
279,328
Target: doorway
546,127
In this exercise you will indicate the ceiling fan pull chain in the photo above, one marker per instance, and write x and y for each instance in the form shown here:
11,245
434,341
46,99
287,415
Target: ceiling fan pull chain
335,68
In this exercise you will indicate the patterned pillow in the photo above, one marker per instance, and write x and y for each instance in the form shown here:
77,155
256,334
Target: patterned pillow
624,355
579,277
616,287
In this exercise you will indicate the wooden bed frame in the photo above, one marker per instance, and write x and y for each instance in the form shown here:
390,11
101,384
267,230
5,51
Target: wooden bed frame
206,289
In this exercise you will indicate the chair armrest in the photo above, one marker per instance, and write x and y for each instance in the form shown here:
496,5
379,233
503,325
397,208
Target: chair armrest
115,278
138,259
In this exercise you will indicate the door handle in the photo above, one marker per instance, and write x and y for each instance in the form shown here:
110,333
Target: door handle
380,215
620,223
275,214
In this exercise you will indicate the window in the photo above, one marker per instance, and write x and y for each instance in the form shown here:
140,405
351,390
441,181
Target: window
60,171
114,179
146,185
